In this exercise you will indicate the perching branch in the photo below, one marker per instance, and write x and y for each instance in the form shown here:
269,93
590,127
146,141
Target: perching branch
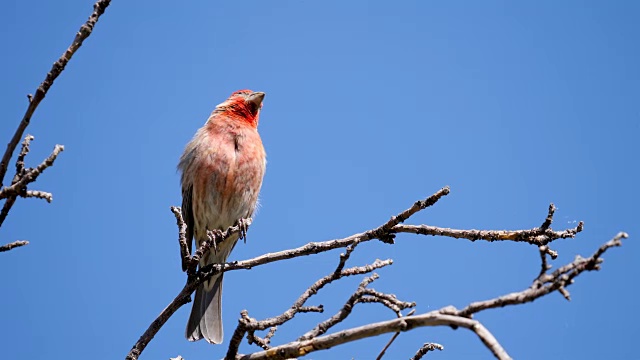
193,280
23,176
215,237
316,339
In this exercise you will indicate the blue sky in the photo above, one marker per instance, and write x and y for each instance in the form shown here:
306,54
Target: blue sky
370,106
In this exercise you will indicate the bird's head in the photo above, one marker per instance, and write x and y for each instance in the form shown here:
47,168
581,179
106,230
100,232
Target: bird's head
242,105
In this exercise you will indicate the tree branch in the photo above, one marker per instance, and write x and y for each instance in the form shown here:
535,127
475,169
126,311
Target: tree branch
25,176
447,316
13,245
301,348
18,188
184,296
57,68
248,325
544,284
425,349
535,236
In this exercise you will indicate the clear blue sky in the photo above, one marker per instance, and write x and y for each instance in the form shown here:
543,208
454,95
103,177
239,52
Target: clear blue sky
370,106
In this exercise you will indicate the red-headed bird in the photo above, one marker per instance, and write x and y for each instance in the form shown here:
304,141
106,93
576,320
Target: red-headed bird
222,169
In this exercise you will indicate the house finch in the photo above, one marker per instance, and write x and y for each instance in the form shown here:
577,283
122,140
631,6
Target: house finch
222,169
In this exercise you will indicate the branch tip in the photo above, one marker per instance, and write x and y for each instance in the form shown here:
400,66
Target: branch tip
425,349
13,245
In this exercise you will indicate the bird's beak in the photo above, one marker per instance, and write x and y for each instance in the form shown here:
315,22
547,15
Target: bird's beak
255,99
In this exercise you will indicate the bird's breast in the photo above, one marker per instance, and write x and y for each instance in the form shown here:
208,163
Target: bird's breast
229,180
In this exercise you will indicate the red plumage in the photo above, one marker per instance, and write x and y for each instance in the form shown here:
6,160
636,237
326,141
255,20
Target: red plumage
222,169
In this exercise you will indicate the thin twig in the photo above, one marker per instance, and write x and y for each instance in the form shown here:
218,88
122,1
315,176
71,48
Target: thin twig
544,265
20,161
342,314
560,278
549,220
39,194
394,337
425,349
535,236
386,347
23,177
18,188
262,342
13,245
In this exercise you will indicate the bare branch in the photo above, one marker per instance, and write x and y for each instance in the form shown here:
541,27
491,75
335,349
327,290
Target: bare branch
489,341
25,176
13,245
388,300
535,236
361,295
547,283
300,348
39,194
343,312
183,297
57,68
182,236
312,341
263,343
547,222
248,325
8,204
20,161
382,232
393,338
544,265
425,349
447,316
29,176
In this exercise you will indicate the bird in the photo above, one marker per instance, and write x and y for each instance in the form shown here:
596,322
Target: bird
222,169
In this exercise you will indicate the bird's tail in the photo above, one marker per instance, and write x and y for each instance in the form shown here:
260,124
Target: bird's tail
205,321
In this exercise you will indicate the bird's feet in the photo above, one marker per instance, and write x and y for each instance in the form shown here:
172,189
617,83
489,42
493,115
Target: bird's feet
243,226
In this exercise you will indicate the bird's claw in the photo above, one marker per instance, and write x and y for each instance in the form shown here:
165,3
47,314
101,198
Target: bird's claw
213,235
242,225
